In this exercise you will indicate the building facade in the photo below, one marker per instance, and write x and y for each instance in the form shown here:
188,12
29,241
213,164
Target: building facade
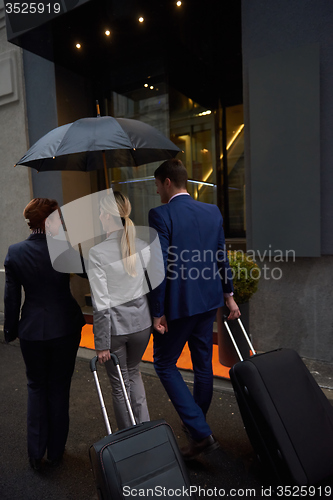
242,89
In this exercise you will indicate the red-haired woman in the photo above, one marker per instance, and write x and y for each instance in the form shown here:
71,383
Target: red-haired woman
49,328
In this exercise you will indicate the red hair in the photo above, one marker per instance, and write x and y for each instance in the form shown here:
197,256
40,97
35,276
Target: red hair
38,210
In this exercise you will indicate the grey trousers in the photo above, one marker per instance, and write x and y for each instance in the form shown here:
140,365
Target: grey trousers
129,350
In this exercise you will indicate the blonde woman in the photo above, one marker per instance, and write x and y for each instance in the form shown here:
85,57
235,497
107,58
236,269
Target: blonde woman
122,321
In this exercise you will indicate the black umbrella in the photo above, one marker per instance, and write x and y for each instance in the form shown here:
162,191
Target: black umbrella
94,143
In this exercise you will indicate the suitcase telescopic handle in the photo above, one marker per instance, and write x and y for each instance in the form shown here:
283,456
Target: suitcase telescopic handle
93,362
93,368
247,338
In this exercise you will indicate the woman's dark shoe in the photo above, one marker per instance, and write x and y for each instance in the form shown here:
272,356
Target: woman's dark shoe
35,463
196,448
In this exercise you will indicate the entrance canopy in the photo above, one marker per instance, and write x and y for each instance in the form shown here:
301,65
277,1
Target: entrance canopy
197,44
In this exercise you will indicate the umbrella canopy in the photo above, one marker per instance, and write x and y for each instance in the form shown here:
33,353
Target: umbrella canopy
82,144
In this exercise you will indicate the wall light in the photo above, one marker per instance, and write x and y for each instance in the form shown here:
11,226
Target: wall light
202,183
233,139
204,113
142,179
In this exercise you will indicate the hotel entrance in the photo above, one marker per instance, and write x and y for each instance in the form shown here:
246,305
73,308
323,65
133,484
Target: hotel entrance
175,67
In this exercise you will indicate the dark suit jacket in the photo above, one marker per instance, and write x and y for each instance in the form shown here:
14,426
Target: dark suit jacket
49,310
197,269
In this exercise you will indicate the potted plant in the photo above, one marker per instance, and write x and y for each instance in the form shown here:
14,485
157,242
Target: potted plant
245,274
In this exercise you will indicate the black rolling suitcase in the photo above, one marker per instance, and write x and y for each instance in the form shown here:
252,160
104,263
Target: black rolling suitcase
287,417
142,460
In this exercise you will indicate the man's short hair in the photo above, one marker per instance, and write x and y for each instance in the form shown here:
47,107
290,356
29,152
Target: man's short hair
173,170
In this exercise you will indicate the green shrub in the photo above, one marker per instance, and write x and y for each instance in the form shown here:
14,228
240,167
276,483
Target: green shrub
245,273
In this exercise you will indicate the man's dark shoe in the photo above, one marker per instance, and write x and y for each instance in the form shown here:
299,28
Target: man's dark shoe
186,431
35,463
196,448
54,462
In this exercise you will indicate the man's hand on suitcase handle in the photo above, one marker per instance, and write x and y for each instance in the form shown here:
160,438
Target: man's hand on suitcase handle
103,356
234,311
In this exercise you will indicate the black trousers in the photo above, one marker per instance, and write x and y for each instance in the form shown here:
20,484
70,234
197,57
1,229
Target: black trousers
49,368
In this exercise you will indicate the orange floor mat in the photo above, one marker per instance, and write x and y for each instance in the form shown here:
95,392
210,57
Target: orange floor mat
87,337
184,362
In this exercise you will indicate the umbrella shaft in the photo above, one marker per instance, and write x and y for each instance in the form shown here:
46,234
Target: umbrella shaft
106,172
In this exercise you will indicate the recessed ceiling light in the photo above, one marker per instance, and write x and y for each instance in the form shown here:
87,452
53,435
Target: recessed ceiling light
146,85
151,87
78,45
178,3
141,19
108,32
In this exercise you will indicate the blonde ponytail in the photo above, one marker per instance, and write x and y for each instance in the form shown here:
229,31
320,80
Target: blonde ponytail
119,205
128,247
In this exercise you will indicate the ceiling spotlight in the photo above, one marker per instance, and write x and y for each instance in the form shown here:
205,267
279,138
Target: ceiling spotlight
146,85
151,87
141,19
108,32
178,3
78,45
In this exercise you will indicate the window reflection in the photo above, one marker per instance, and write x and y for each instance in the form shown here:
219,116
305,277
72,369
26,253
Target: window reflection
192,129
236,173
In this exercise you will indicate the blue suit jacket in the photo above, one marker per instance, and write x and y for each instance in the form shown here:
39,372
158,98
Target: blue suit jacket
196,264
49,309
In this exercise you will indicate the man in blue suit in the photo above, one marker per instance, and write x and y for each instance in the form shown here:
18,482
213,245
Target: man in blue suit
198,281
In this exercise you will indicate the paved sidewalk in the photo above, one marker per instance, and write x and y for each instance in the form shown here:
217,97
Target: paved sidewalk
231,471
321,371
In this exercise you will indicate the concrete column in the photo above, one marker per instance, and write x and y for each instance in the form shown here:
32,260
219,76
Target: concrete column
15,191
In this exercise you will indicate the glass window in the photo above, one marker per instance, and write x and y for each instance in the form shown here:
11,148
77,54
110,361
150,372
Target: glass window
236,173
194,130
230,172
150,105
